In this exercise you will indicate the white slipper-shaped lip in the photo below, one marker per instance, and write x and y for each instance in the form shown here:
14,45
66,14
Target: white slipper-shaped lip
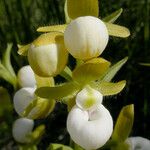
138,143
21,128
90,130
22,99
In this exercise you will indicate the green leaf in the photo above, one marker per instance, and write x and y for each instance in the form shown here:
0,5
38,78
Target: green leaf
56,146
6,59
5,102
112,71
77,8
145,64
59,28
57,92
113,17
124,124
117,31
6,75
108,88
90,70
23,49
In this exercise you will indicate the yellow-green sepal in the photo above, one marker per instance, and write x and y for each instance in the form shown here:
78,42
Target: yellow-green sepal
109,88
36,135
117,30
90,70
114,16
58,92
23,49
112,71
124,124
78,8
39,108
55,146
53,28
67,74
44,81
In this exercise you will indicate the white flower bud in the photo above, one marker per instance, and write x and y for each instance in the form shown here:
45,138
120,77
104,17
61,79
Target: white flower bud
138,143
47,54
90,130
86,37
21,128
22,99
88,98
26,77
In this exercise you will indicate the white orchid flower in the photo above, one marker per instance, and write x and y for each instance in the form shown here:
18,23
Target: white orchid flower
86,37
26,77
47,55
21,129
88,98
138,143
22,99
90,129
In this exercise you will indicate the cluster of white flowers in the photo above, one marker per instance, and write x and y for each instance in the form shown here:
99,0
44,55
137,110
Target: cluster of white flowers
22,98
89,123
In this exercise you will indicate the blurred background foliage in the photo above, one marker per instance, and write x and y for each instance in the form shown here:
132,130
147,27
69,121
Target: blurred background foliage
19,20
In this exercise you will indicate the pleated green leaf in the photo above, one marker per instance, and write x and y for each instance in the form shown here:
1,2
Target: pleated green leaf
117,31
77,8
113,17
59,28
112,71
57,92
109,88
23,49
58,147
124,124
90,70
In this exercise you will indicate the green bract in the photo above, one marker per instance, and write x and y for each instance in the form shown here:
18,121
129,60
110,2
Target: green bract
78,8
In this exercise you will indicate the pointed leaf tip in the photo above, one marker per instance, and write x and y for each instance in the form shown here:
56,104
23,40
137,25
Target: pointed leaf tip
114,16
124,124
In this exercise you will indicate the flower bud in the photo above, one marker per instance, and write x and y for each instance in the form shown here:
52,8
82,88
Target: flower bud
86,37
41,107
21,129
88,98
90,129
139,143
26,77
47,55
